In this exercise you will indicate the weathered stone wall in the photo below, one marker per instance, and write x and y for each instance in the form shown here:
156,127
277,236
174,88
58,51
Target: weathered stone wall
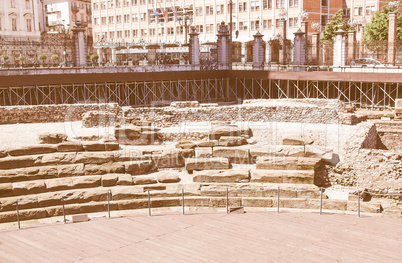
51,113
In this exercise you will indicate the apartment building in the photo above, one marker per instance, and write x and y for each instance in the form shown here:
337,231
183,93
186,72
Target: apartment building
116,21
20,19
65,13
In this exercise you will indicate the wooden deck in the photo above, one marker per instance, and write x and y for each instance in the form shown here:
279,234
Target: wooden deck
209,237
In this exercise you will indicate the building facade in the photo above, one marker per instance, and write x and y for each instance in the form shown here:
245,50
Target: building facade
21,19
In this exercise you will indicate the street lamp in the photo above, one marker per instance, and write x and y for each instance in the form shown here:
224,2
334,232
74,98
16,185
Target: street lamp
185,19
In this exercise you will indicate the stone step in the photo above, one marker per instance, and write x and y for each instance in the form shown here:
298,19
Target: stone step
222,176
282,176
190,201
234,154
287,163
215,163
289,151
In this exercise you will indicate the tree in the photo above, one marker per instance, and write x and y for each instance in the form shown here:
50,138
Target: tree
332,26
377,29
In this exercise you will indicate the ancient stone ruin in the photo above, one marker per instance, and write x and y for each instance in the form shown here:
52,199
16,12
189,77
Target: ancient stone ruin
254,150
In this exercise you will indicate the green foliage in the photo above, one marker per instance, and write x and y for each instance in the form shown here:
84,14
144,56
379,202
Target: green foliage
377,29
4,56
54,57
332,26
21,58
42,57
94,57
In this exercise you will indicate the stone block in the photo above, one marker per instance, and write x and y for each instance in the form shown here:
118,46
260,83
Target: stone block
256,202
69,147
216,163
58,184
94,157
132,204
224,176
110,146
109,180
187,153
86,181
204,152
234,154
223,130
266,176
184,104
16,162
297,139
365,207
70,170
93,146
140,167
124,179
99,169
52,138
286,163
169,159
3,153
208,143
32,150
79,218
168,177
30,187
132,155
186,145
144,179
56,158
232,141
6,189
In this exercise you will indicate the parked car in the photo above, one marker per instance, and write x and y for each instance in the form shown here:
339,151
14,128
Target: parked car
366,62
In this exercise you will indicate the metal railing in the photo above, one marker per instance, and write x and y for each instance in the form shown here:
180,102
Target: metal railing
181,195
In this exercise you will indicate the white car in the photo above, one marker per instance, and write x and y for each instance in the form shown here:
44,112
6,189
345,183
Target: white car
364,62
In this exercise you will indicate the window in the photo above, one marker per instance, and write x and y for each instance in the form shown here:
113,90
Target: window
280,3
111,3
29,25
143,16
277,23
179,30
242,26
143,2
200,28
14,24
118,3
119,34
267,24
324,20
370,10
233,8
96,6
12,3
199,11
28,4
135,33
152,32
134,17
242,6
118,19
220,9
111,20
254,6
144,32
127,33
126,18
103,5
133,2
358,11
103,20
161,31
111,35
170,31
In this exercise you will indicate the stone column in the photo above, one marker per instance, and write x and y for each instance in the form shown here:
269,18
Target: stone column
340,51
100,55
282,51
267,52
299,50
351,47
194,49
223,47
243,52
258,52
114,58
304,27
392,38
80,46
315,49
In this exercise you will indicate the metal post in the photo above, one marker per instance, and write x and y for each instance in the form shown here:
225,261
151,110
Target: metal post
18,215
149,204
320,200
358,203
227,200
182,200
108,204
278,200
64,212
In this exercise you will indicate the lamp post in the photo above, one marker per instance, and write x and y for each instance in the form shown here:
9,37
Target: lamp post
186,19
